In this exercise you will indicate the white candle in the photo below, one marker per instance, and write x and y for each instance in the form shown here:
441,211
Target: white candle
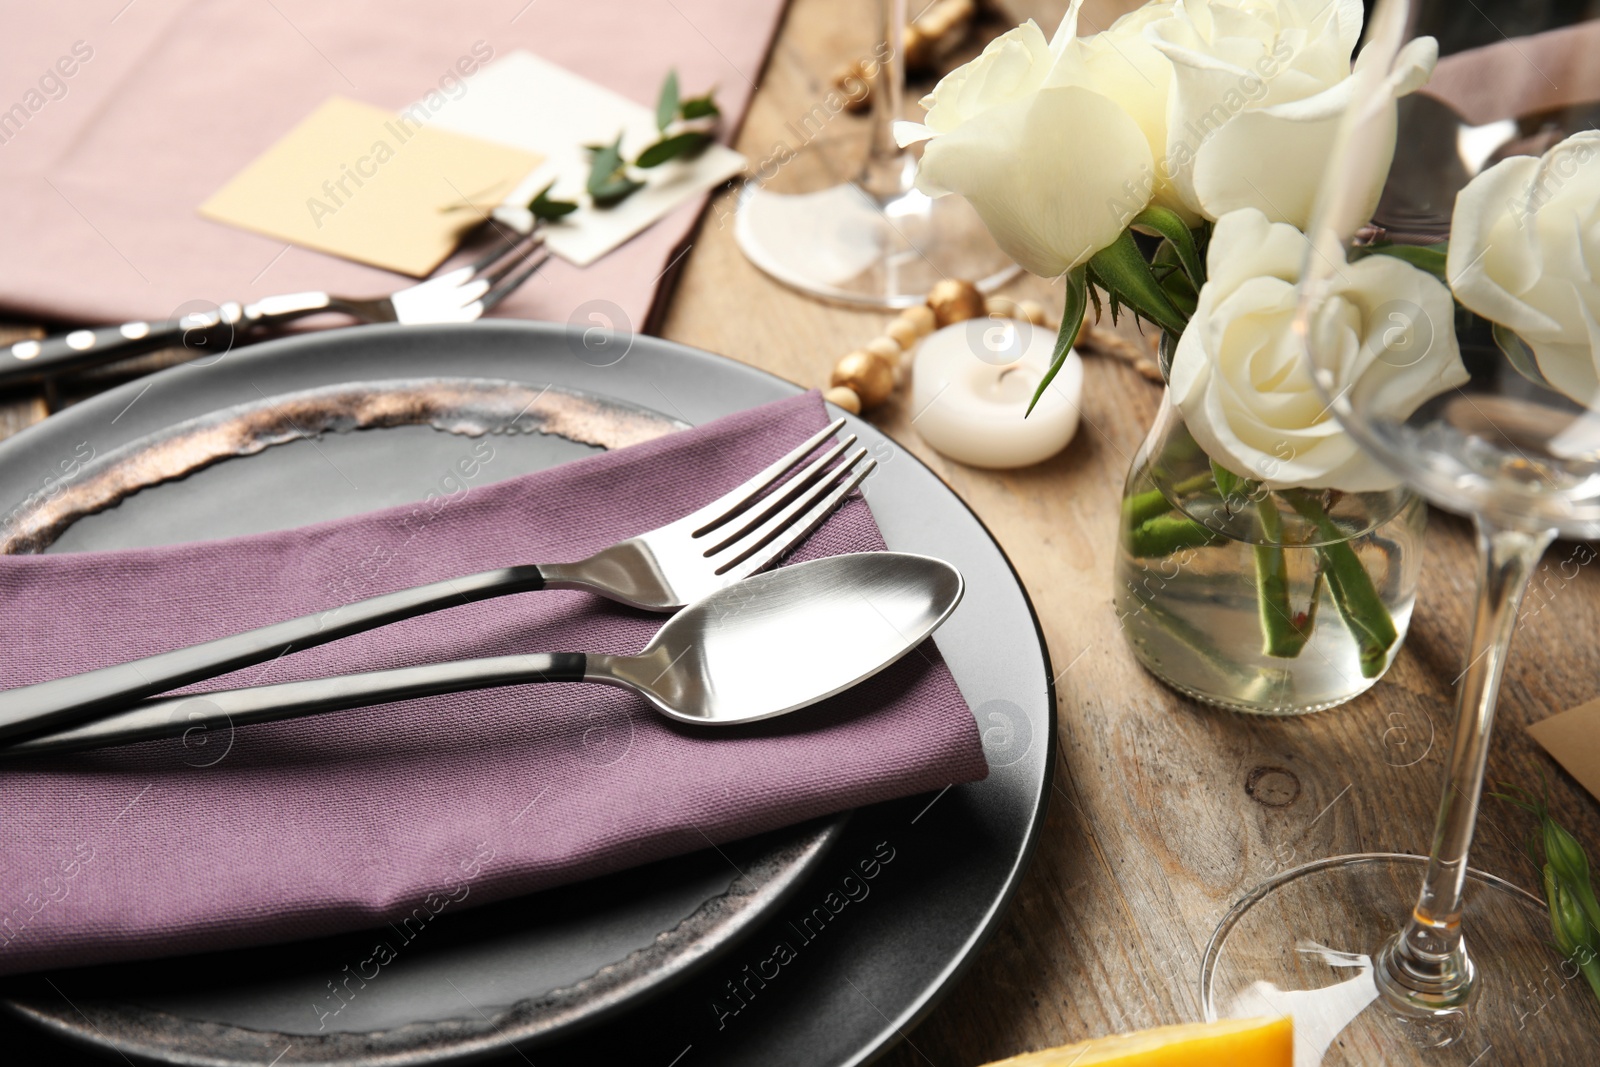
971,384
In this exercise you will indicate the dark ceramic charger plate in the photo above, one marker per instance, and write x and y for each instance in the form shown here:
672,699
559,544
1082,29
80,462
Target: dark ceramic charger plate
840,965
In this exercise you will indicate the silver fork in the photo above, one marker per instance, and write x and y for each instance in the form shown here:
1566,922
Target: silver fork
459,295
663,570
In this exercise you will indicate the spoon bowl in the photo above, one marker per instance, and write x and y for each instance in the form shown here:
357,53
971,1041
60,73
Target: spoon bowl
788,638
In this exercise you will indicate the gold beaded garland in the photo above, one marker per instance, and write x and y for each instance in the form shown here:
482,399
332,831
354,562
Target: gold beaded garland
922,318
866,377
902,332
1003,306
843,396
868,374
953,300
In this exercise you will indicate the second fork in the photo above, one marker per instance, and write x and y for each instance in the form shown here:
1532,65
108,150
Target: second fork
463,294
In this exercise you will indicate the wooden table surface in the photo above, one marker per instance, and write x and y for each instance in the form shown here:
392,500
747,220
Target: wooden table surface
1164,811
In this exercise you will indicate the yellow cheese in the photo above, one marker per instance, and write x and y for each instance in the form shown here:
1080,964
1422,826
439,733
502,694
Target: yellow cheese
1225,1043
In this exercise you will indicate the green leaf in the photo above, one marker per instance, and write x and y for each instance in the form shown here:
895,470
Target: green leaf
683,144
1123,272
1180,292
605,160
545,208
699,107
1519,354
1071,320
1430,258
667,102
1166,222
615,192
609,183
1229,484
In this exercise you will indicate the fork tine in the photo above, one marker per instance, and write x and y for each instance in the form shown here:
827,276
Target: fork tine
732,504
787,530
510,285
502,247
520,254
753,536
780,498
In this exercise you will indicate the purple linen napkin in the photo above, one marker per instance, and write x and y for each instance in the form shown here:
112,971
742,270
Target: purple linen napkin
349,820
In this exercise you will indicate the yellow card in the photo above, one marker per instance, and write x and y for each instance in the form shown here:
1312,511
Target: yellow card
380,188
1573,738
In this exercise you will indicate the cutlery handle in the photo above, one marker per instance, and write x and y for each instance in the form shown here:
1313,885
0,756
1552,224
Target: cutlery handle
35,709
204,333
184,715
35,361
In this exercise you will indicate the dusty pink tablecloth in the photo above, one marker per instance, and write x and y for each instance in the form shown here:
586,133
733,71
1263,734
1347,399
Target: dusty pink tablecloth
101,172
349,820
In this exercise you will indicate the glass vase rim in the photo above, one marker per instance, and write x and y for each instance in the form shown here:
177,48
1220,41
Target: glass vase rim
1383,506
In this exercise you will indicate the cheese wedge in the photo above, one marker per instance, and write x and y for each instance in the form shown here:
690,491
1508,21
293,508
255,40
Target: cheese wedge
1225,1043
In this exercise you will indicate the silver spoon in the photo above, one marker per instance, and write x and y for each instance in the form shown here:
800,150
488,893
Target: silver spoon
760,648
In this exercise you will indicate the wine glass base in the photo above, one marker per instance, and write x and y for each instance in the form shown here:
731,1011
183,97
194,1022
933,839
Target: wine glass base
1303,944
833,240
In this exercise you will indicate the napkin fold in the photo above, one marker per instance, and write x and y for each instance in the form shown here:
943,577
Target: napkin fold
288,830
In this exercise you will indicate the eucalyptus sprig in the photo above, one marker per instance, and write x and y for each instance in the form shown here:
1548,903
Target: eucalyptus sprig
1568,890
685,126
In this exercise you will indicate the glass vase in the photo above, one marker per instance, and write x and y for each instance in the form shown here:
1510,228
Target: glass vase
1274,601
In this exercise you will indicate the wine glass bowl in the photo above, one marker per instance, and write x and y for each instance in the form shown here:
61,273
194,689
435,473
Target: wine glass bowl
1518,455
838,218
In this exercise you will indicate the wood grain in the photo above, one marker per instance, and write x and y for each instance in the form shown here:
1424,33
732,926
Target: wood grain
1165,812
1153,832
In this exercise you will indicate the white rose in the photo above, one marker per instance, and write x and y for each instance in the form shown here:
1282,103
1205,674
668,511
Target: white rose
1049,168
1522,243
1258,90
1240,375
1122,63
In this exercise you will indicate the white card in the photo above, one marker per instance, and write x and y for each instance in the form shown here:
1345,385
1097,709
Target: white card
530,103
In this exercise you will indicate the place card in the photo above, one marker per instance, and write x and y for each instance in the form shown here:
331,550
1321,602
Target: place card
533,104
383,189
1573,739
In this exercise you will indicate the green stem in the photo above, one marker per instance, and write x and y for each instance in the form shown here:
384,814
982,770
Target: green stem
1165,534
1141,507
1353,592
1281,634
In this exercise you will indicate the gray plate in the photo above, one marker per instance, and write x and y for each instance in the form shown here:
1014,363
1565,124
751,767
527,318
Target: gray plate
837,969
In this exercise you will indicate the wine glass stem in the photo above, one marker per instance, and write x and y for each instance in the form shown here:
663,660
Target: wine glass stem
888,169
1426,966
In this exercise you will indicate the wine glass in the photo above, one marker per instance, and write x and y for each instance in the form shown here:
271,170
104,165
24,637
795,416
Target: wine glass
1464,968
822,220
